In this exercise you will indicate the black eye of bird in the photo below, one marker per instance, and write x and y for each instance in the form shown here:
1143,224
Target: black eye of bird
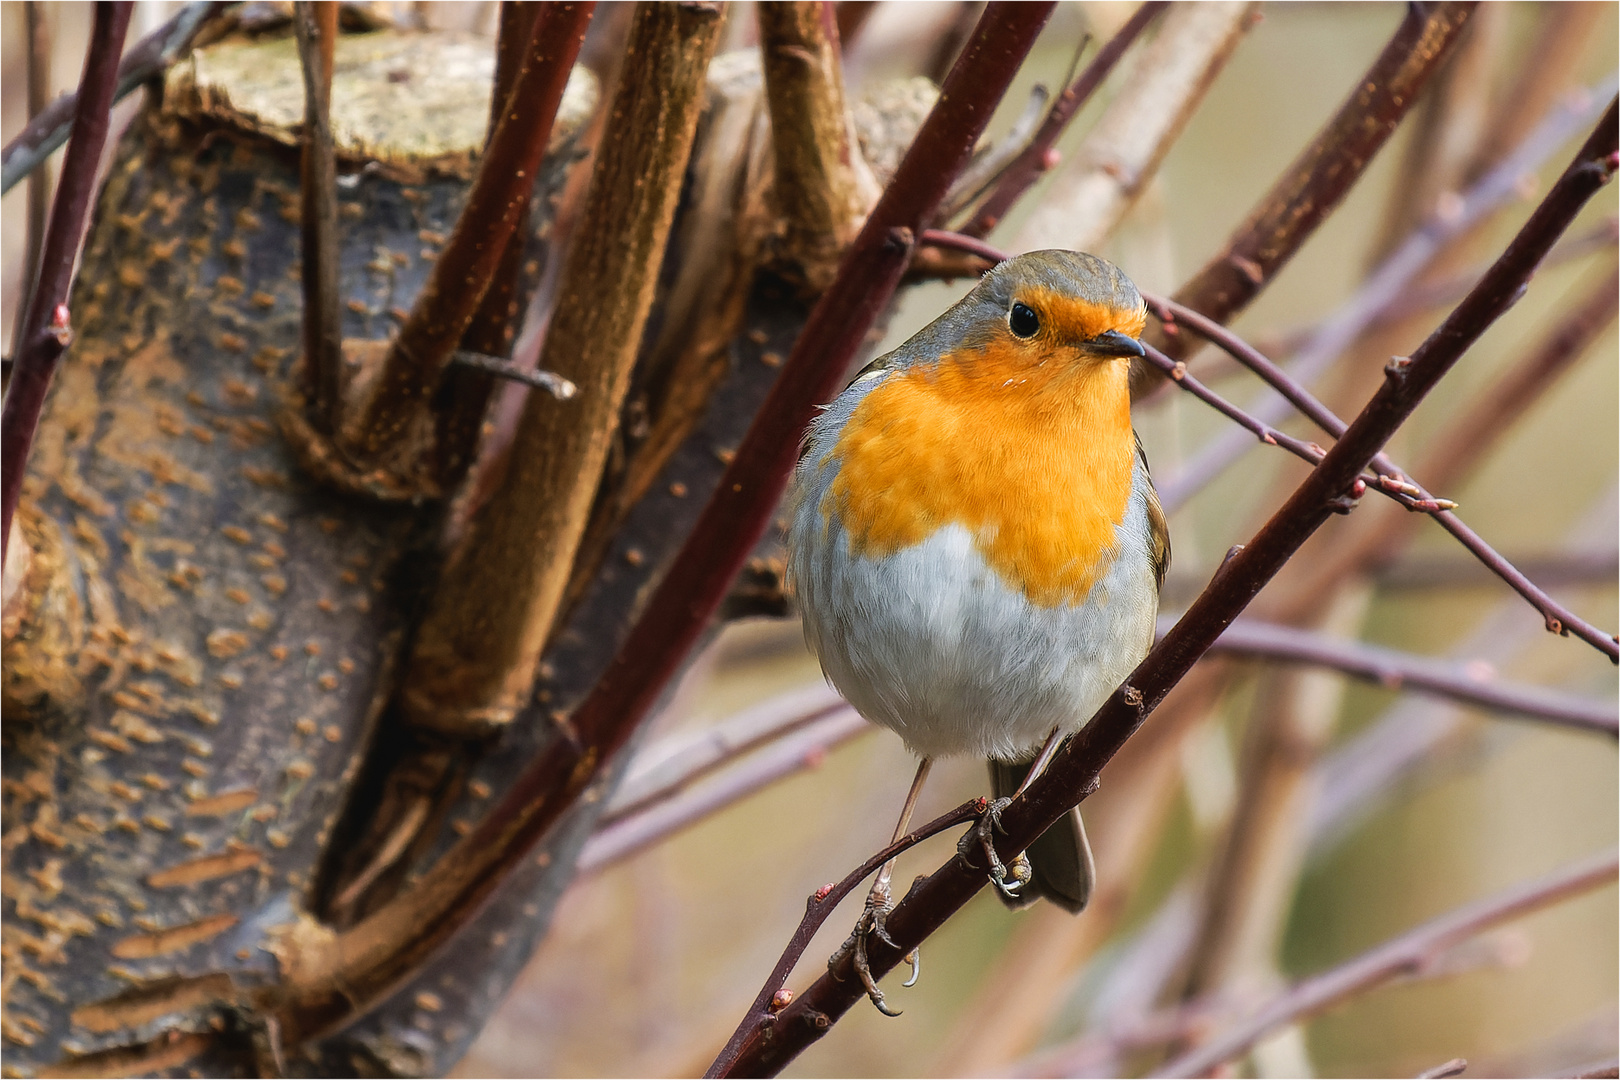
1023,321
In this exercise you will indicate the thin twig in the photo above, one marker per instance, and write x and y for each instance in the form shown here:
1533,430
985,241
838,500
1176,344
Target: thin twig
1423,297
1398,670
1407,954
549,381
47,328
1388,479
461,404
150,56
316,26
672,763
1041,153
1074,772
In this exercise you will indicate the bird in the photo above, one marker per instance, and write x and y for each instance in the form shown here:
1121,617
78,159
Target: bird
976,546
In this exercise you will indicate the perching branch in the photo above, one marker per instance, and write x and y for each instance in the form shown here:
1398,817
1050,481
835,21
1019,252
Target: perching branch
1319,178
150,56
46,327
1407,954
1040,154
1074,771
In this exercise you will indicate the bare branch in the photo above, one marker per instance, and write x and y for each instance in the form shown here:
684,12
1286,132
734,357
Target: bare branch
1386,285
46,327
803,749
1403,955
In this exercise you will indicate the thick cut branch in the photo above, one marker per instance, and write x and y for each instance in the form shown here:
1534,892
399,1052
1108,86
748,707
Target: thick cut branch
46,328
476,651
823,188
1074,772
393,411
1405,955
1320,177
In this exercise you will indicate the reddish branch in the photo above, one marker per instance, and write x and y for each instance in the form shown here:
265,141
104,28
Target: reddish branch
1317,180
463,401
46,326
1041,153
316,25
150,56
1409,954
464,268
765,1042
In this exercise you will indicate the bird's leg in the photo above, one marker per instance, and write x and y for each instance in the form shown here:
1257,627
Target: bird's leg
879,902
1009,879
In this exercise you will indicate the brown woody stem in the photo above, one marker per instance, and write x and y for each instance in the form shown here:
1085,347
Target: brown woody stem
316,25
818,189
476,652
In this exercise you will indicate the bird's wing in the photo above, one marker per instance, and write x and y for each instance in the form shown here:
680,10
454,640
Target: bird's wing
1158,528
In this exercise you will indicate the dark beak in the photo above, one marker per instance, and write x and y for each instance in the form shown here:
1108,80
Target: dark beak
1114,343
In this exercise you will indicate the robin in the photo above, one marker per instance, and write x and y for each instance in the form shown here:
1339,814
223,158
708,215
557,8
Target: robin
977,547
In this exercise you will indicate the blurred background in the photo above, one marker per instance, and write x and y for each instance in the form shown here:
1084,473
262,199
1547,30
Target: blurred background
653,957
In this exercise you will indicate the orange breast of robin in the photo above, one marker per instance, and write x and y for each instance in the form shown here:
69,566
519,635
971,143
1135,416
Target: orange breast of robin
1033,455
